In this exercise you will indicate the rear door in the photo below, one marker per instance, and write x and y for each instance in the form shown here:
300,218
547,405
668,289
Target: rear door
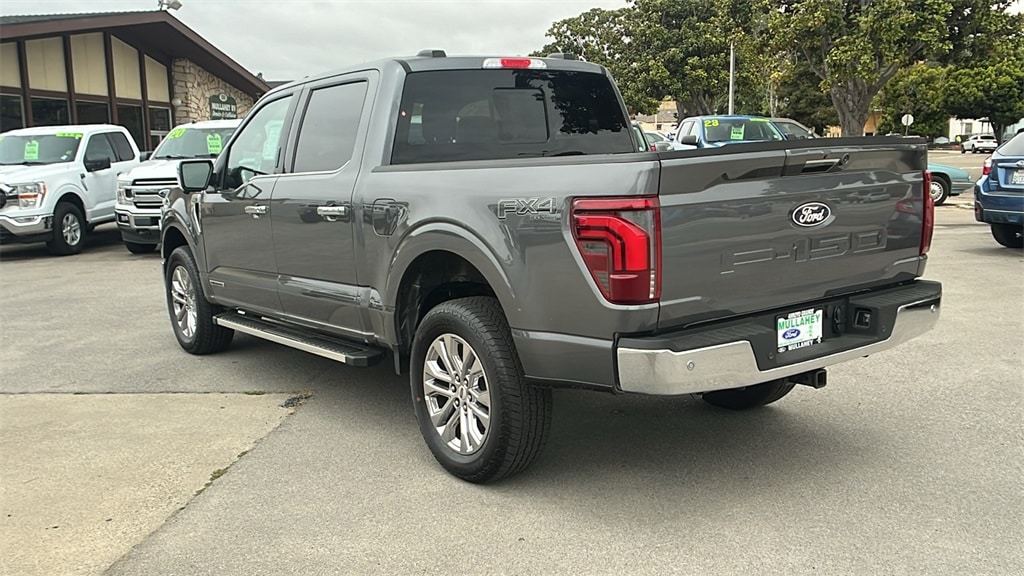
752,227
313,213
235,217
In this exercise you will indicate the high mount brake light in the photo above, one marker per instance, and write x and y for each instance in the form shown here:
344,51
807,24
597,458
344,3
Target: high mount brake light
620,242
514,63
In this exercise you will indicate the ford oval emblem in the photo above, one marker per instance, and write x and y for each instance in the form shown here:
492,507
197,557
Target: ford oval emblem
791,333
811,214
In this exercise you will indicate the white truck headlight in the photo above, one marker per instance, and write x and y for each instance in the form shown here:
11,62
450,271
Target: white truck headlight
122,191
31,195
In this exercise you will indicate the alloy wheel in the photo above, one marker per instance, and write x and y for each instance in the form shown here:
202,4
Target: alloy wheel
457,394
183,296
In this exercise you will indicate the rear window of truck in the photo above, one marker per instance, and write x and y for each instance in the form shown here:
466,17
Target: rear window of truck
455,115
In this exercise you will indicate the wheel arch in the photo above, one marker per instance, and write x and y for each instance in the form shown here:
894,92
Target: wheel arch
434,265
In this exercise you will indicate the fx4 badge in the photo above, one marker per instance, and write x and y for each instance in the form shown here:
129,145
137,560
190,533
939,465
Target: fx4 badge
525,206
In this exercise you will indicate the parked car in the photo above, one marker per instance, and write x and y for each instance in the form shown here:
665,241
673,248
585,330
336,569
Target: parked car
641,139
948,181
655,137
999,194
141,191
57,183
793,129
713,131
518,242
979,143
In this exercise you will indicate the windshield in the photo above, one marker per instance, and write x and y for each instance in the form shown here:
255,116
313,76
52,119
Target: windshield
190,142
740,130
38,149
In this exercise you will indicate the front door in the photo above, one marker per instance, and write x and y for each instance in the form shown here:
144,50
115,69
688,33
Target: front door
99,183
312,216
235,216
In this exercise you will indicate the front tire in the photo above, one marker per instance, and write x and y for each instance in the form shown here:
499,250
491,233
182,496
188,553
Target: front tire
749,397
69,230
939,190
477,413
1008,235
191,313
136,248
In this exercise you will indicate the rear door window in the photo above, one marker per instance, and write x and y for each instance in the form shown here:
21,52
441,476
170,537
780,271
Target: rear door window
455,115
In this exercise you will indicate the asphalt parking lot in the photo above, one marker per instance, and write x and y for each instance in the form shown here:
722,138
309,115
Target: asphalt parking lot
908,462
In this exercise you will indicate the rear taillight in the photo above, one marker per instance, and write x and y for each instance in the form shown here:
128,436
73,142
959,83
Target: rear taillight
620,242
928,217
987,166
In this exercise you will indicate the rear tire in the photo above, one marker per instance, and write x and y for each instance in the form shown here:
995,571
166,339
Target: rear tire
191,313
136,248
1008,235
477,413
69,230
749,397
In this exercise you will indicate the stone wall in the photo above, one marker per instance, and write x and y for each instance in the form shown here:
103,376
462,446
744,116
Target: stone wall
194,86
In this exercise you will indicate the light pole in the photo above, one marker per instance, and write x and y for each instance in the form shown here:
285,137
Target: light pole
732,74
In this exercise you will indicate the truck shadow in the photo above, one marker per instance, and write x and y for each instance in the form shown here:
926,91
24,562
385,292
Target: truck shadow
104,237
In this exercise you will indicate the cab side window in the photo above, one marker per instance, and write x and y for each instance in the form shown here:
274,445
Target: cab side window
121,146
329,126
255,151
99,148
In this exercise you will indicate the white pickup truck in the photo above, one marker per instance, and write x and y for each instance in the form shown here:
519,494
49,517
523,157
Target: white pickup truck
59,182
141,191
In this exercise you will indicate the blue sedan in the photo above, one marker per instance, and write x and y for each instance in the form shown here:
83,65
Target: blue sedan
999,195
948,181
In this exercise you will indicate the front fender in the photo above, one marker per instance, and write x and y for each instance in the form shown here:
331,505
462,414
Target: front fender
178,216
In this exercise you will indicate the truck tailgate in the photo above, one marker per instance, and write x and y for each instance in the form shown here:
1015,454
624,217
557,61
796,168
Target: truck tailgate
754,227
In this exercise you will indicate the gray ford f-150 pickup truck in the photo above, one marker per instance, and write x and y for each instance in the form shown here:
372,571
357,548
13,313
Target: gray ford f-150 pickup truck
490,224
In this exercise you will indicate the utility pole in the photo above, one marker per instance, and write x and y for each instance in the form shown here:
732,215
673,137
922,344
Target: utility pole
732,74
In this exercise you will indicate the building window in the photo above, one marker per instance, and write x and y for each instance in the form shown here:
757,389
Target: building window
131,118
50,112
93,112
159,125
12,115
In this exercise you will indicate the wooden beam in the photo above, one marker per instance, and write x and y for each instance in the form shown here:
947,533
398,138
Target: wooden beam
69,73
108,51
26,99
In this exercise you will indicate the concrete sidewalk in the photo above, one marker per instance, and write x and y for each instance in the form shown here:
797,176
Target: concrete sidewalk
85,478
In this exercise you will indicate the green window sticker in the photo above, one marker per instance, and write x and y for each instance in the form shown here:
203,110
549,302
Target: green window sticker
213,144
31,150
759,120
76,135
736,133
176,133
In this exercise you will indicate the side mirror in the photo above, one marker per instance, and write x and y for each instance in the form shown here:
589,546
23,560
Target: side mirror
93,165
143,156
689,140
194,175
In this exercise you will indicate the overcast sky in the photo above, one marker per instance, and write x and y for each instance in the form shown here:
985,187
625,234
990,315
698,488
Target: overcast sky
288,39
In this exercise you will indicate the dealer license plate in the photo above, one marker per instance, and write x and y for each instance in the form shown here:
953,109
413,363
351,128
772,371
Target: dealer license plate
799,329
1017,177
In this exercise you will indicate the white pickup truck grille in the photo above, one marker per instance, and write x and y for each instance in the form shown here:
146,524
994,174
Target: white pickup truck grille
146,192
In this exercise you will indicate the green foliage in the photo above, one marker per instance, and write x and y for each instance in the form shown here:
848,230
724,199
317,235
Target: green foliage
804,100
857,46
919,91
995,91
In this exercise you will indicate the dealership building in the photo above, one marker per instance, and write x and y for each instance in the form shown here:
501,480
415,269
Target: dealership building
146,71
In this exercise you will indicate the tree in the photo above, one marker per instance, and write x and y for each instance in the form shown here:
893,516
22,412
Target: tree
918,91
995,92
856,46
657,49
804,100
603,37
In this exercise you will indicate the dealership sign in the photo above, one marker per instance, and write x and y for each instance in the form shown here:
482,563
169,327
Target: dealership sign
223,107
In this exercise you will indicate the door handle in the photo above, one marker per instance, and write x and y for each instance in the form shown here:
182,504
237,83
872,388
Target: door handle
256,211
332,213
